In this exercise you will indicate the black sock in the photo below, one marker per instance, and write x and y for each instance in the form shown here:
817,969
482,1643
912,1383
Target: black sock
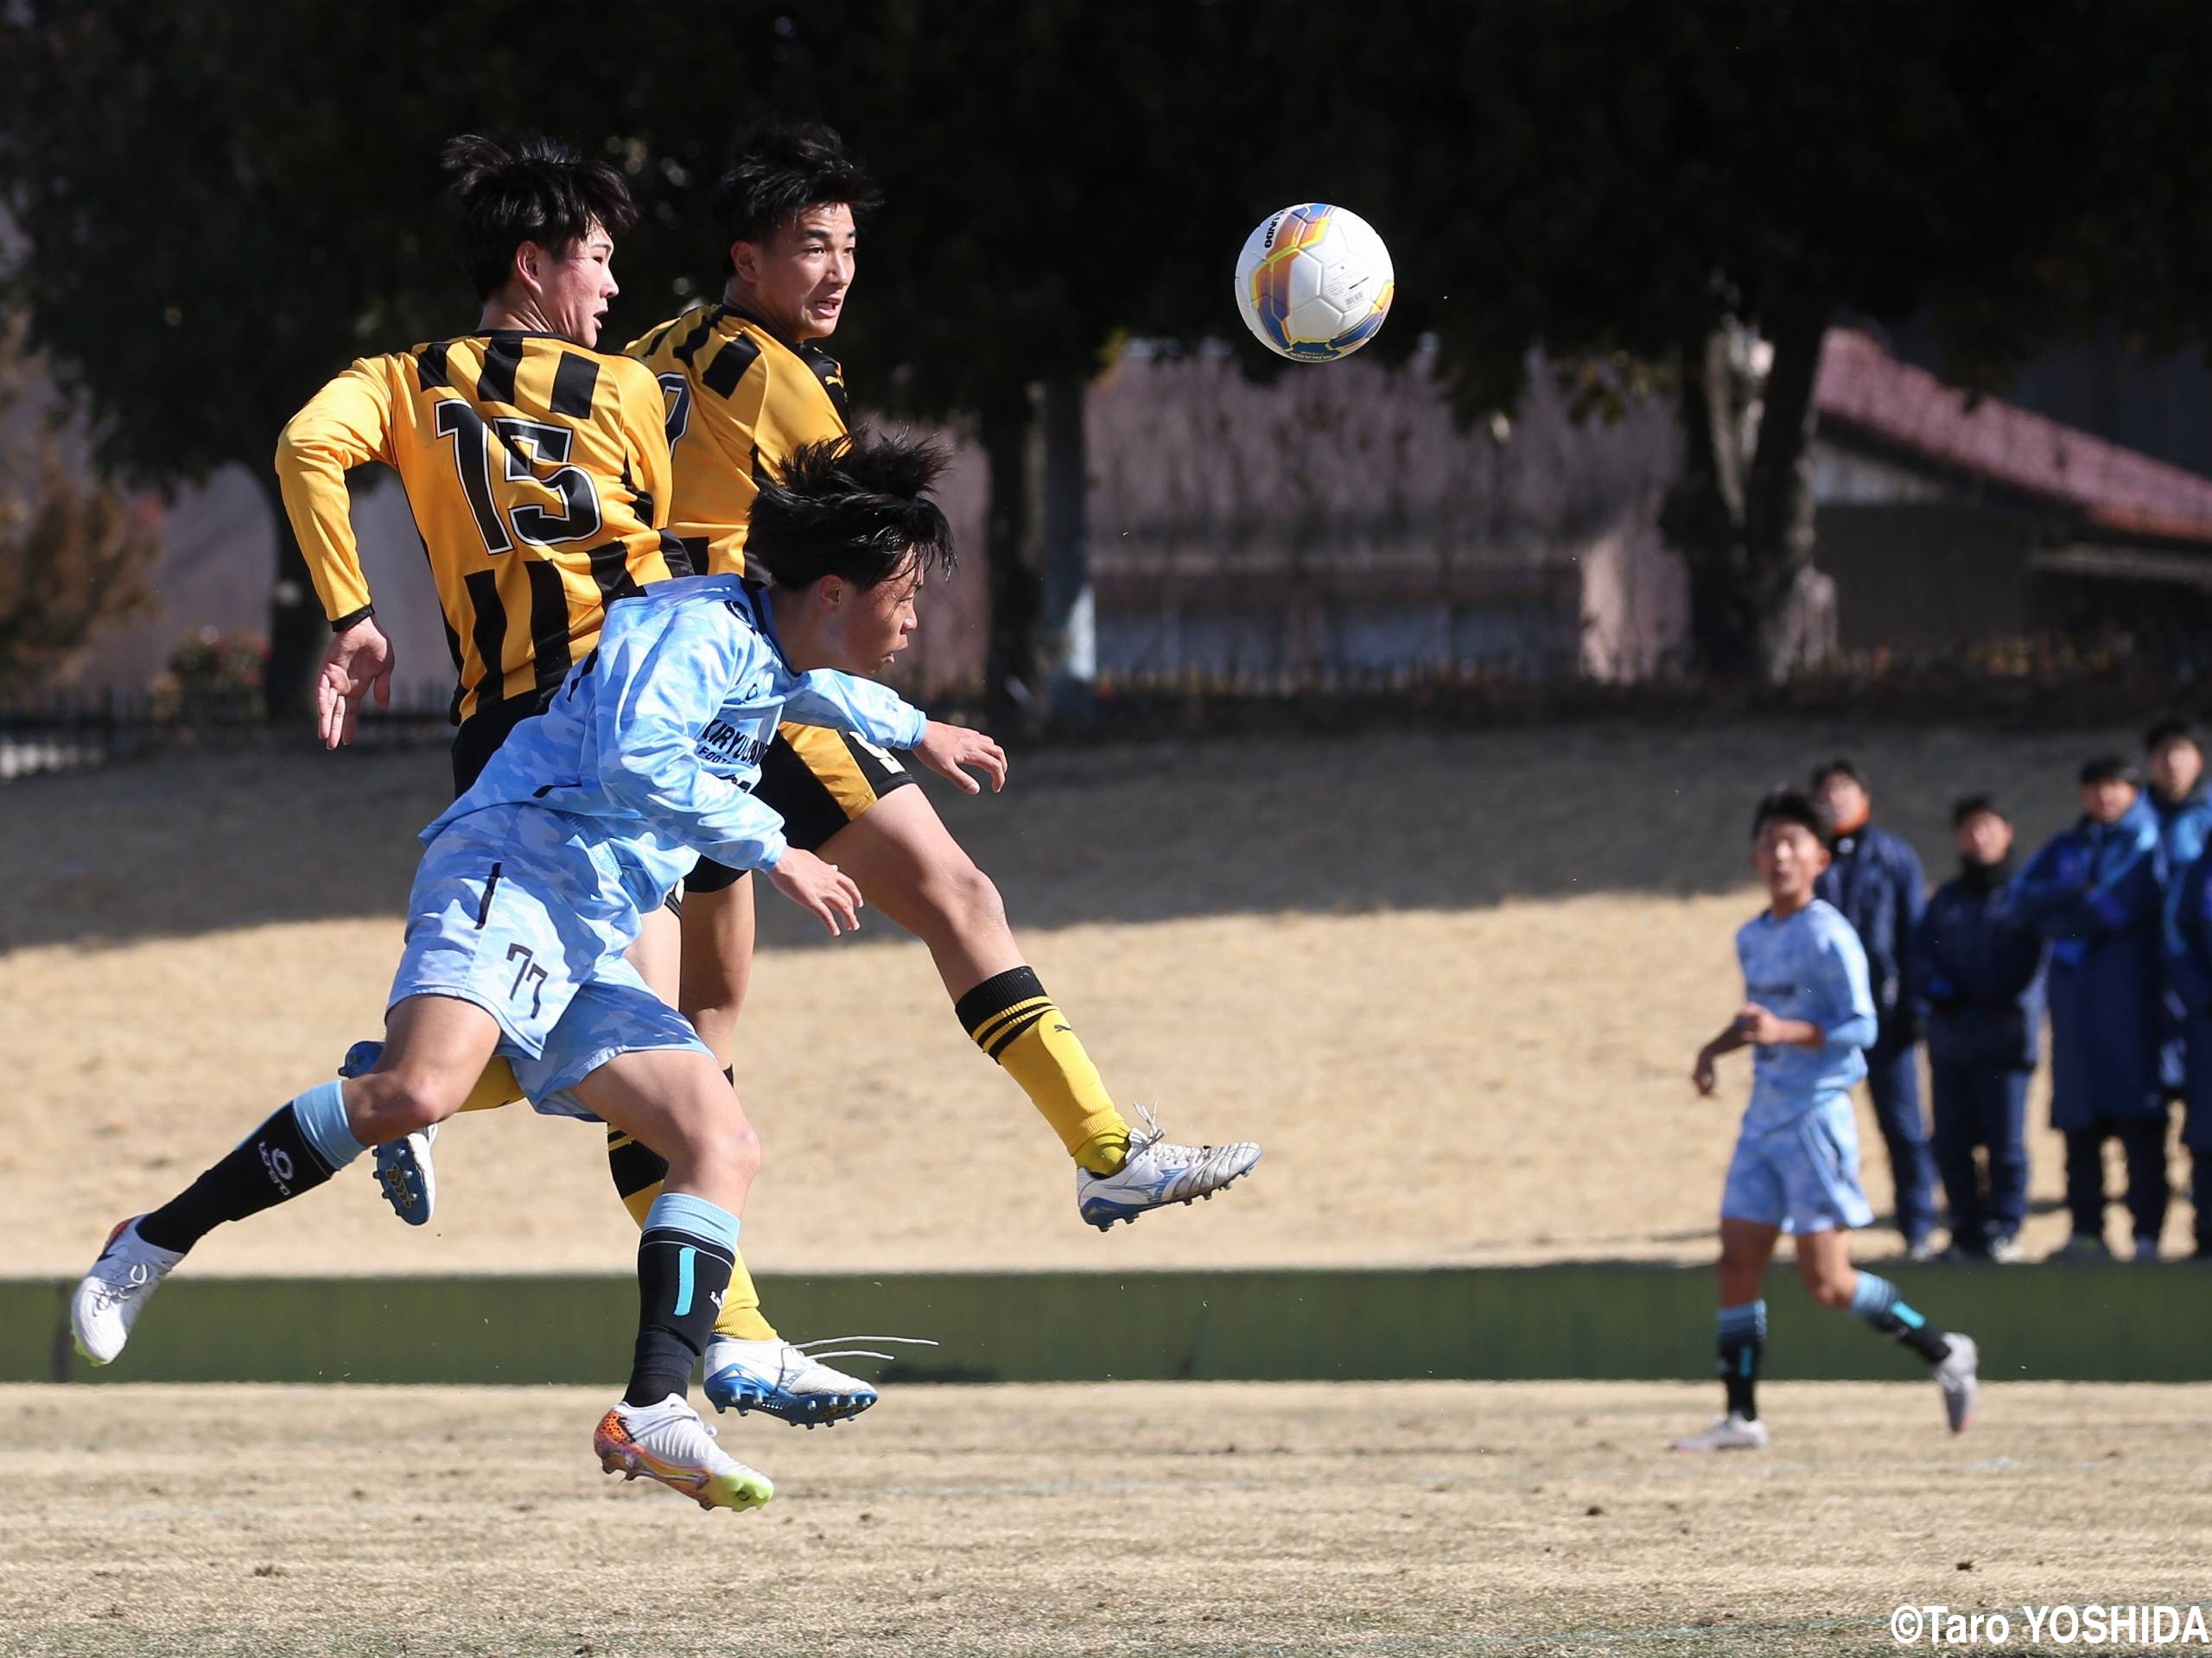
681,1279
1876,1302
1742,1343
273,1165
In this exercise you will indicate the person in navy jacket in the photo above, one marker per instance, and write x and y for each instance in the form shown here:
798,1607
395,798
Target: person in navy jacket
1875,879
2097,892
2176,767
1980,967
2190,973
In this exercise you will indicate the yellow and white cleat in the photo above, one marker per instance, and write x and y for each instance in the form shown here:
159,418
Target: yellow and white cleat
669,1443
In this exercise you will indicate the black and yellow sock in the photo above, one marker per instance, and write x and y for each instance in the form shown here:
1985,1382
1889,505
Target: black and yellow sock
1011,1019
638,1171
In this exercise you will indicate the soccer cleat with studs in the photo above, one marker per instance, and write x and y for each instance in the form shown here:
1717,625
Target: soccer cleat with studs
1729,1433
406,1174
110,1298
1157,1173
789,1381
668,1442
1956,1374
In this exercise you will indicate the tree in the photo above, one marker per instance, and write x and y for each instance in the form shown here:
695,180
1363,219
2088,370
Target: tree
73,551
221,204
1648,192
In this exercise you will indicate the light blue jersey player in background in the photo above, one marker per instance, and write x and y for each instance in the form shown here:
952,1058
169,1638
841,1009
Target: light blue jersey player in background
535,881
1808,1014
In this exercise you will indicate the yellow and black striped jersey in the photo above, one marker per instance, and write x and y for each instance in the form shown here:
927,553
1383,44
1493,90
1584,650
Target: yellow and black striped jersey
538,473
740,398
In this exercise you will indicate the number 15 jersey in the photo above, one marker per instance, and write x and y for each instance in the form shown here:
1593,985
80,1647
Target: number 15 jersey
538,475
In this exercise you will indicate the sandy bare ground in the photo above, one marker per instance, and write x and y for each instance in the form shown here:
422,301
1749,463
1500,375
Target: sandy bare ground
1452,983
1170,1519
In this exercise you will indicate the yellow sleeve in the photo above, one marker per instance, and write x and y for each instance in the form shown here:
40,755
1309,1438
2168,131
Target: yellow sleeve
646,417
346,424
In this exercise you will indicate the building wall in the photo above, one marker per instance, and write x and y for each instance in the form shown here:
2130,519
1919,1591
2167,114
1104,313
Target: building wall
1925,575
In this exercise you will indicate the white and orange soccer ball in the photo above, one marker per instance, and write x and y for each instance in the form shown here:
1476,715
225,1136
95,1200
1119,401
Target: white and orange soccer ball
1314,283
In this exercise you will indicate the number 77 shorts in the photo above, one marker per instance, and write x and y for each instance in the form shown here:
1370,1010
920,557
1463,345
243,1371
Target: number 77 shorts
523,912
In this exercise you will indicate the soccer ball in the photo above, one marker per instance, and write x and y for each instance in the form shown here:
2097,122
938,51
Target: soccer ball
1314,283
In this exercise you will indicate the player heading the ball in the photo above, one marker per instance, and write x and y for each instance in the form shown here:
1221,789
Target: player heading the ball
533,885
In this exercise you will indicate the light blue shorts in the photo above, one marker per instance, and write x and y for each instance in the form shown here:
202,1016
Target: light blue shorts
520,911
1802,1177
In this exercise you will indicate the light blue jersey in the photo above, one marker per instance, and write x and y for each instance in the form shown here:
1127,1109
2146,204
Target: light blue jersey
655,740
1809,967
535,881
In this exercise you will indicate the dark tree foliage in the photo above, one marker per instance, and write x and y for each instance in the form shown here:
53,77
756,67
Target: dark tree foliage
221,203
1634,186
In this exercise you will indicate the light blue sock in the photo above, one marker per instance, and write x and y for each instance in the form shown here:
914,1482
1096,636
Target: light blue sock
320,1113
679,1211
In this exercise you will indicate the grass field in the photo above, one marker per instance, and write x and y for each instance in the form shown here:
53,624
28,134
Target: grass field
158,1522
1452,983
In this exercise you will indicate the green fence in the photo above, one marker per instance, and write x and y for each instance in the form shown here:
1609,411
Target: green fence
1600,1321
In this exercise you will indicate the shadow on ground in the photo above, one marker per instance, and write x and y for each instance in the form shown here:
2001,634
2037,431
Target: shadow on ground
1129,833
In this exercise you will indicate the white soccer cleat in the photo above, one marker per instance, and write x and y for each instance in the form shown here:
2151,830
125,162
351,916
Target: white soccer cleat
783,1380
110,1298
1729,1433
1157,1173
669,1443
406,1174
1955,1375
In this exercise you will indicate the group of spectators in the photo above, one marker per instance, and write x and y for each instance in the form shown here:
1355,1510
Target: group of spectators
2109,928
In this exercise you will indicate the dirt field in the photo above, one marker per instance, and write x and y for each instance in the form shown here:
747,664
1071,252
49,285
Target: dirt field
1453,985
1406,1519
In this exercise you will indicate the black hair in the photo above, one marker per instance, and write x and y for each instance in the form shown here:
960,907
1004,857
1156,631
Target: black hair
1967,806
2110,768
2173,729
1794,806
857,507
1838,767
526,188
777,172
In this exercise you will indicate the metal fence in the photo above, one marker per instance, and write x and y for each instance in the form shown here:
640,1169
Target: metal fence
66,731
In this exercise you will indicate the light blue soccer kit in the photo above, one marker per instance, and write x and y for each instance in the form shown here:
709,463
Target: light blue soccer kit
535,881
1796,1161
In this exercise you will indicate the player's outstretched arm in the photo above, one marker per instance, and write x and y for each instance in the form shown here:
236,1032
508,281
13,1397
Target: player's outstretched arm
949,750
359,661
820,888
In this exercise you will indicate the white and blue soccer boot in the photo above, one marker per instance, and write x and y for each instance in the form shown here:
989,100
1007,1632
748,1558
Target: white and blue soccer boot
1955,1375
1158,1172
788,1381
669,1443
404,1172
110,1297
1729,1433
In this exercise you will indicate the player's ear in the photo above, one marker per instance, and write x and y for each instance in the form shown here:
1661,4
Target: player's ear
745,260
832,589
528,265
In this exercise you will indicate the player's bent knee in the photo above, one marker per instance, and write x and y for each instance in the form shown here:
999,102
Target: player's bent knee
965,900
1828,1290
400,1103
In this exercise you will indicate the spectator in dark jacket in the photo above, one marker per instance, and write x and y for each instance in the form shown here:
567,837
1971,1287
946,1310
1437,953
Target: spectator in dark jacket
2175,765
1980,967
2097,893
1875,878
2190,964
